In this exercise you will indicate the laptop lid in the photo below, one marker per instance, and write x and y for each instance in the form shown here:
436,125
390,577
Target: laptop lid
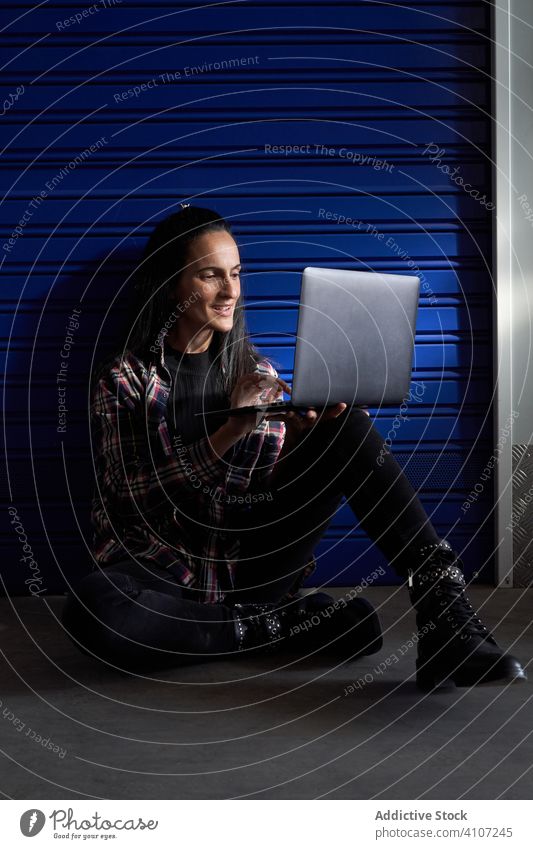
355,338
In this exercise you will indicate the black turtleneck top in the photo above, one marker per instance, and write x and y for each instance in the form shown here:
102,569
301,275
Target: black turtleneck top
196,387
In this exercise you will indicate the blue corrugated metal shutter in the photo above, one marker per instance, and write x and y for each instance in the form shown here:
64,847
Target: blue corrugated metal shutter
113,118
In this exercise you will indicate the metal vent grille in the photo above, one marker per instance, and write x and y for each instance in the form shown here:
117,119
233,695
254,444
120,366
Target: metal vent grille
440,471
522,518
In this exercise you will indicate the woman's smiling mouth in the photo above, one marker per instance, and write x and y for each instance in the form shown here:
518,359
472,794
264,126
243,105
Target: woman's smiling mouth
222,309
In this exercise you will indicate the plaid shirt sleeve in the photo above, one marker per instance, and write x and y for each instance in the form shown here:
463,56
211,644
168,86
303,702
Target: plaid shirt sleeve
131,467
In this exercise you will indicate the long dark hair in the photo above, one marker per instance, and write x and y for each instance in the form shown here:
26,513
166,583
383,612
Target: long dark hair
164,258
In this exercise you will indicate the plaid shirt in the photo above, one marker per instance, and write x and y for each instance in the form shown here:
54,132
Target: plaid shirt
160,501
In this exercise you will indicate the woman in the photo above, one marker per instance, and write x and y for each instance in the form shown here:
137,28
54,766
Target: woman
204,527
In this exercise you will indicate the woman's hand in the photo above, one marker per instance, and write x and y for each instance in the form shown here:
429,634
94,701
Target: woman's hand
250,389
297,424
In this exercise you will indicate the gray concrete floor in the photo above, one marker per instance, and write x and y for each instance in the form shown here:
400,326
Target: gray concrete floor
287,728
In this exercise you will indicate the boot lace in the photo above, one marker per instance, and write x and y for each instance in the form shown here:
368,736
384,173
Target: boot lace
442,582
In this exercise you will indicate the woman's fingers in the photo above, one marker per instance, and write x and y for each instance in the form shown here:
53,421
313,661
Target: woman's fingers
284,386
310,417
277,385
246,382
276,388
255,377
333,412
247,389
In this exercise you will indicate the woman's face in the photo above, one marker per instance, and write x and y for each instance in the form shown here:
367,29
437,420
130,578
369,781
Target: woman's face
208,288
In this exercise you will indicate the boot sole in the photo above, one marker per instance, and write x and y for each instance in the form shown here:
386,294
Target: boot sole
428,681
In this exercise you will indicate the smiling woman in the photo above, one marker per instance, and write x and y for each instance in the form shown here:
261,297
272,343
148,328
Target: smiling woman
204,533
191,271
210,285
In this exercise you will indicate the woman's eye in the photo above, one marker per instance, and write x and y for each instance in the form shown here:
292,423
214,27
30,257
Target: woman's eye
209,277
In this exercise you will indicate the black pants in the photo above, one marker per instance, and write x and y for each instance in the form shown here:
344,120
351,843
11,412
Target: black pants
137,617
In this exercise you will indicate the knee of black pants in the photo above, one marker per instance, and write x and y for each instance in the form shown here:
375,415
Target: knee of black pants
325,450
350,428
353,436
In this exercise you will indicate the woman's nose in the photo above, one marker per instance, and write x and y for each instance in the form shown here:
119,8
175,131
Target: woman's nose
230,287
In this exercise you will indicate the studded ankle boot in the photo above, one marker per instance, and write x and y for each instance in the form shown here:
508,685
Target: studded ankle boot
259,628
453,644
342,628
346,629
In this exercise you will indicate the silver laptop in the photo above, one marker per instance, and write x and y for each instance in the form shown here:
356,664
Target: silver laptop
355,340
